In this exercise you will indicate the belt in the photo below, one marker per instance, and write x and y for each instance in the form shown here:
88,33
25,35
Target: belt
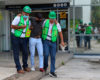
37,37
49,40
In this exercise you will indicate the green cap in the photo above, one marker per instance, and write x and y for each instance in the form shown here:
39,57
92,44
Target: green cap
90,23
52,15
81,22
27,9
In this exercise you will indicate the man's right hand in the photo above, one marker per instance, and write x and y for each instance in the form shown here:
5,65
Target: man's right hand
19,14
23,27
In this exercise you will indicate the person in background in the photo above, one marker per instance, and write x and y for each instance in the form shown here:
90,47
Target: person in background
50,31
88,30
96,32
35,41
20,33
85,25
77,32
81,32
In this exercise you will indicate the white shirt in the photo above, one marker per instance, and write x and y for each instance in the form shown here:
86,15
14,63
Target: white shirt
50,29
96,30
16,21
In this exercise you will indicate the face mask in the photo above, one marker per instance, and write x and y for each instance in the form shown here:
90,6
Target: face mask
25,17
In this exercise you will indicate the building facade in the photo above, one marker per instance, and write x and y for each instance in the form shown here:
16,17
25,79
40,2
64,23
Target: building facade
9,9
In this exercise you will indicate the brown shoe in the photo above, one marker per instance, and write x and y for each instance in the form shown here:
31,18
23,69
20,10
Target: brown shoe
20,72
27,69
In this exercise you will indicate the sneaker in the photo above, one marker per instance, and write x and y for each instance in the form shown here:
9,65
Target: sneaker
41,69
52,74
32,69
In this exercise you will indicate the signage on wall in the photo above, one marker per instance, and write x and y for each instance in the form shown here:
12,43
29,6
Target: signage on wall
41,6
63,15
60,4
63,23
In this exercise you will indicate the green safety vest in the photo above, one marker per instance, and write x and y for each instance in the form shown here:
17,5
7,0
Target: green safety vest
18,32
54,33
76,28
88,30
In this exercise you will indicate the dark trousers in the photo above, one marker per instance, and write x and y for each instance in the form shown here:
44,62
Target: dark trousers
17,45
88,41
77,40
49,48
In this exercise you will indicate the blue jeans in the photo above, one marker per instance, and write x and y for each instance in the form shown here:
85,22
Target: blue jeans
17,44
88,41
49,48
36,42
81,40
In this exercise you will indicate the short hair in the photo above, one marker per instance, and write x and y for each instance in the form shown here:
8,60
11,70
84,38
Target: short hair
38,15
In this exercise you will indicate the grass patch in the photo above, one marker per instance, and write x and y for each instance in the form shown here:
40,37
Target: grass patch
62,63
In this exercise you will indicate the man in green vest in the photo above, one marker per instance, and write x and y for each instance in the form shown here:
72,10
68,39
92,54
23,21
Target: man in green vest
81,32
20,33
77,31
50,31
88,30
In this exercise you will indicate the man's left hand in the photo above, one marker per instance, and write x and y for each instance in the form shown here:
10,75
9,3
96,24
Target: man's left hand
62,43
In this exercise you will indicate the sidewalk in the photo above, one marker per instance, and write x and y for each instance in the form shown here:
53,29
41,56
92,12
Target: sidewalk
8,71
78,69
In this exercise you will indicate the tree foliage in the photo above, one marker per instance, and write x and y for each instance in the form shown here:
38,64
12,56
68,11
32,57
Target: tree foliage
95,10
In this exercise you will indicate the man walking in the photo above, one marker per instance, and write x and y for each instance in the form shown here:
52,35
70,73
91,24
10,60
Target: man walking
19,34
81,31
77,32
49,35
88,30
77,37
35,41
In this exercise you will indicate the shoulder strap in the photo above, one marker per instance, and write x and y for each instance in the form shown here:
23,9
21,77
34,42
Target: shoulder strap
21,21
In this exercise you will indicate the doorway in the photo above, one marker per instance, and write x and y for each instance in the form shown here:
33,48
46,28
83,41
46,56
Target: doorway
62,18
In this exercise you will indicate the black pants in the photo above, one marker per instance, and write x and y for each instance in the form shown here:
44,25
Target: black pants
88,41
17,45
77,40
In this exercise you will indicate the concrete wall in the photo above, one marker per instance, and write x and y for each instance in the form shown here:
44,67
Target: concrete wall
78,12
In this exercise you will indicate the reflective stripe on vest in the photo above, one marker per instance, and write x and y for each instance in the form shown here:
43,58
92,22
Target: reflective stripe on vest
46,29
76,28
19,32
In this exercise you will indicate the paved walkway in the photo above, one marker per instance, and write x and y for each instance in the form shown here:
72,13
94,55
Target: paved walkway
8,70
78,69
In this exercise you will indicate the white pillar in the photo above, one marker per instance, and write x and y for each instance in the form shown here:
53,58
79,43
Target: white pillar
86,14
7,47
6,31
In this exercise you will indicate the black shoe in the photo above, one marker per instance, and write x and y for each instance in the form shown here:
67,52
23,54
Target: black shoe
52,74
